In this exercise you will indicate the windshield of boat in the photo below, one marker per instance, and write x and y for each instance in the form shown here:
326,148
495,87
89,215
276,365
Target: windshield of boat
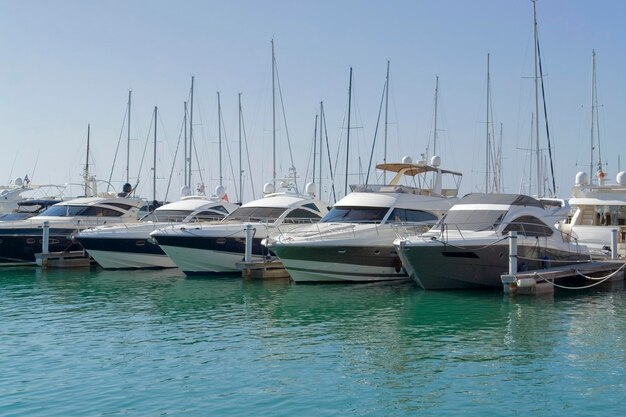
355,215
174,216
256,214
72,211
473,220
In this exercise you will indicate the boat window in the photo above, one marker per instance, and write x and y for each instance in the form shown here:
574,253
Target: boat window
206,215
63,211
96,211
300,215
411,216
220,209
167,215
529,226
473,220
355,214
120,205
312,207
251,214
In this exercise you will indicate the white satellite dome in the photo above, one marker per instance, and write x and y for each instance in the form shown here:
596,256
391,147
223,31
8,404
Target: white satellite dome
220,191
19,182
621,178
310,188
582,178
185,191
435,161
406,159
268,188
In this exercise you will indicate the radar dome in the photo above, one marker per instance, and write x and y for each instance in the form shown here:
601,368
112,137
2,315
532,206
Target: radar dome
406,159
268,188
582,178
435,161
19,182
621,178
185,191
220,191
310,188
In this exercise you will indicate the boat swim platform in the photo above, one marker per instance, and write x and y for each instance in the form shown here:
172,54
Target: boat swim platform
583,275
263,269
73,259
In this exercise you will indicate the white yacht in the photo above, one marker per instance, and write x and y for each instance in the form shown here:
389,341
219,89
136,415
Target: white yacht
205,248
469,247
21,240
354,241
11,194
129,246
598,209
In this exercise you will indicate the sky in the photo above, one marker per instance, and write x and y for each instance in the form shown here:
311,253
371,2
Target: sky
69,63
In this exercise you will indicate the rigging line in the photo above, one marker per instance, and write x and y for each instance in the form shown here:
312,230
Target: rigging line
169,181
144,153
230,159
282,105
245,141
12,166
117,148
330,167
311,154
380,109
545,115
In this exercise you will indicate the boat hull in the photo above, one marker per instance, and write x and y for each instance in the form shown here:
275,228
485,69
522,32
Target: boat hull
203,255
123,253
436,266
21,245
308,263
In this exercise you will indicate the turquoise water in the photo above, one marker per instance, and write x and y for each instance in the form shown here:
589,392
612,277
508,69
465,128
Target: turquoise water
100,343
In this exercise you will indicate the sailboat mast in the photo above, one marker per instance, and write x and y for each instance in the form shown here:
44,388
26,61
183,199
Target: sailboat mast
128,140
315,147
593,111
240,170
537,150
386,120
219,132
345,191
435,124
273,116
154,158
86,174
185,183
190,132
321,148
487,144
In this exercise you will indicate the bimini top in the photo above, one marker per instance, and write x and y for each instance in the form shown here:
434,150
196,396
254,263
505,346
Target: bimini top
501,199
411,169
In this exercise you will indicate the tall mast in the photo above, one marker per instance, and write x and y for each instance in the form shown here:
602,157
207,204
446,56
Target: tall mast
190,132
435,124
128,140
487,144
386,120
593,110
273,116
86,174
154,158
240,170
315,147
219,132
345,191
537,149
186,183
321,144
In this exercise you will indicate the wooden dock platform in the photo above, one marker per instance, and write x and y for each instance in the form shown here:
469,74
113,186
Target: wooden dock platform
545,280
263,269
74,259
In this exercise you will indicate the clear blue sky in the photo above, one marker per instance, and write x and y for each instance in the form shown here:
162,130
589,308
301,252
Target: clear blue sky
69,63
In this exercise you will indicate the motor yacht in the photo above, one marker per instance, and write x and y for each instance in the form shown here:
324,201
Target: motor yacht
354,241
216,247
469,248
21,240
28,208
598,209
129,246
